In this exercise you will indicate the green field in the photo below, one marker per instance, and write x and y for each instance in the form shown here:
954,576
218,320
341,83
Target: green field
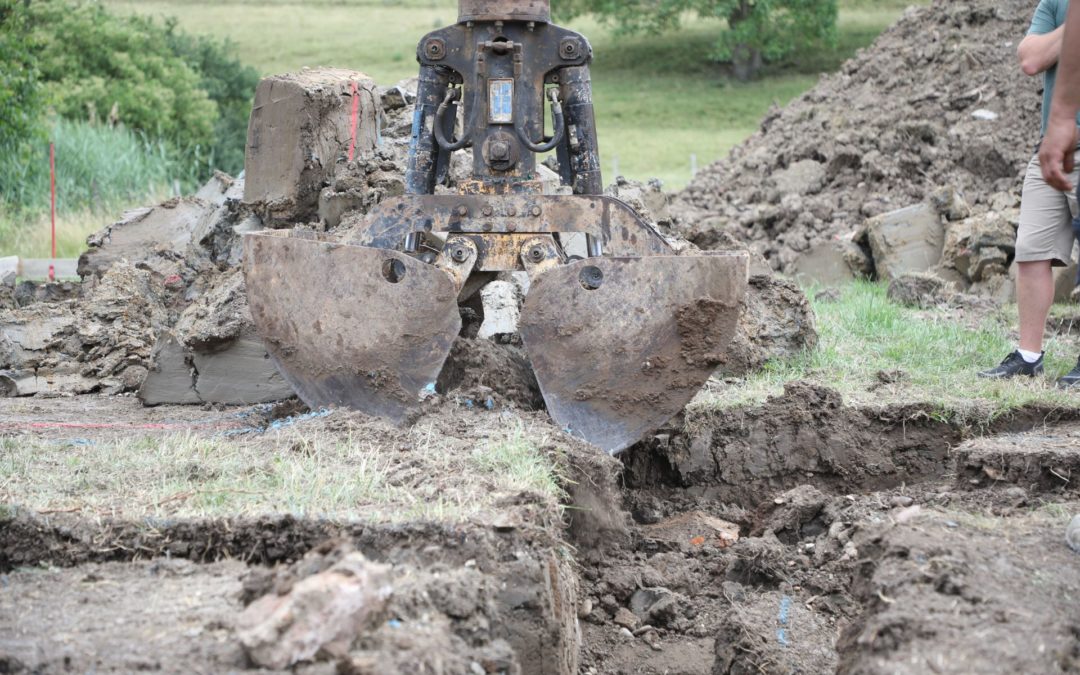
658,99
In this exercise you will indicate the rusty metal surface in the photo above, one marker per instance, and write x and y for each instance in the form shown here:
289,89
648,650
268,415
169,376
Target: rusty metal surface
617,362
508,10
618,229
340,332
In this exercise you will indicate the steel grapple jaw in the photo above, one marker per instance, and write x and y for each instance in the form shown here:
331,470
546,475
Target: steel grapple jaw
621,333
619,343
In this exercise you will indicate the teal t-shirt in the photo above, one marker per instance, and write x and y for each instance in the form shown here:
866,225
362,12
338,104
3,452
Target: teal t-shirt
1049,15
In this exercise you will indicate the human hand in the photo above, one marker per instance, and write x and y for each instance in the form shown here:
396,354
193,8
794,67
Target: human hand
1057,151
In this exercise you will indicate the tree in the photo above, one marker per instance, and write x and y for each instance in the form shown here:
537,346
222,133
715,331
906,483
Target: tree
21,103
757,31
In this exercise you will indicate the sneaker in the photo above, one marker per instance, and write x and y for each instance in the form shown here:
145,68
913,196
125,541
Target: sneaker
1014,365
1071,379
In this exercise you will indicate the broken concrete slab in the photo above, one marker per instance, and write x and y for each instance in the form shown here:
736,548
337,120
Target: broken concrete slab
155,237
241,373
825,264
502,302
908,240
301,124
171,376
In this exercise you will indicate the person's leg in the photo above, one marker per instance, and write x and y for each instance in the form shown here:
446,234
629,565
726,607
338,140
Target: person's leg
1043,240
1034,296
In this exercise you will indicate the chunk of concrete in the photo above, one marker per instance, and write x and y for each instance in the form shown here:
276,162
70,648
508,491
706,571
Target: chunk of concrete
907,240
241,373
156,237
502,309
824,264
301,124
171,376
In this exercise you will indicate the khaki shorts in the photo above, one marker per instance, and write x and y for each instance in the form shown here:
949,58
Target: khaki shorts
1046,216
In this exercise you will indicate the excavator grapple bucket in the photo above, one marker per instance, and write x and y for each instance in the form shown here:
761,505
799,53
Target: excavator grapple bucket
350,326
621,331
621,345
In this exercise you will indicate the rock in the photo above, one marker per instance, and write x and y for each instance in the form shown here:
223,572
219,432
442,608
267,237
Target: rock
154,237
825,264
502,302
626,619
777,322
908,240
322,614
585,608
793,516
300,125
1072,534
950,203
692,530
656,606
917,290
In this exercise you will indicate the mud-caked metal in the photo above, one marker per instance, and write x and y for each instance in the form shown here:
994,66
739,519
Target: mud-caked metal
621,334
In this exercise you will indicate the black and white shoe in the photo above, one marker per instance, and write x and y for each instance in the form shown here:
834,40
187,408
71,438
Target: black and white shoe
1070,380
1014,365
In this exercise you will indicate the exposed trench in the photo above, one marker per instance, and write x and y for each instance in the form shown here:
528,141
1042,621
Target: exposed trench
653,583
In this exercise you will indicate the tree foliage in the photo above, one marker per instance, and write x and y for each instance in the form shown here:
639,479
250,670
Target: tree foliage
21,101
757,30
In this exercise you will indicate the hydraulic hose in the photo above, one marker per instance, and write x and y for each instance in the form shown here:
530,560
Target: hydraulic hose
558,121
440,133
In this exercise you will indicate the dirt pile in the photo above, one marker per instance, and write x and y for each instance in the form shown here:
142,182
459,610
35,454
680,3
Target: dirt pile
935,115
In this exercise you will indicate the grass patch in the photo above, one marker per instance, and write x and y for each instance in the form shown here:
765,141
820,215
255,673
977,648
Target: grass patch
99,170
864,334
308,474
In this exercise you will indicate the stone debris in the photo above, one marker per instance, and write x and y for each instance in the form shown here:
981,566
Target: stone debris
322,614
908,240
935,118
301,124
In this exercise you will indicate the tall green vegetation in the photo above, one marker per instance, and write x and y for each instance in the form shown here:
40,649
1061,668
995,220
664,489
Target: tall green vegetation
131,103
21,100
756,32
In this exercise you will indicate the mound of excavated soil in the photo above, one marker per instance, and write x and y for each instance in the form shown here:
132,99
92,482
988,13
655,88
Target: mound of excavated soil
937,102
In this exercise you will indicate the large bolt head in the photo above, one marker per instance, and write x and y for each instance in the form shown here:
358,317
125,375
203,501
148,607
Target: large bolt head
500,151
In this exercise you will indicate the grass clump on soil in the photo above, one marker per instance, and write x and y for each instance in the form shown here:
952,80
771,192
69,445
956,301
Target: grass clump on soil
876,352
420,476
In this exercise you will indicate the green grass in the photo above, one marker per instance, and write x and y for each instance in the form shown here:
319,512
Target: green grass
658,99
864,334
297,471
99,171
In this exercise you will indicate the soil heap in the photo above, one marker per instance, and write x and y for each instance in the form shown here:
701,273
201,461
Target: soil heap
936,114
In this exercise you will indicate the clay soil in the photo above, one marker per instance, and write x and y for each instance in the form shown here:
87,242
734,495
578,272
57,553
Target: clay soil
801,535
